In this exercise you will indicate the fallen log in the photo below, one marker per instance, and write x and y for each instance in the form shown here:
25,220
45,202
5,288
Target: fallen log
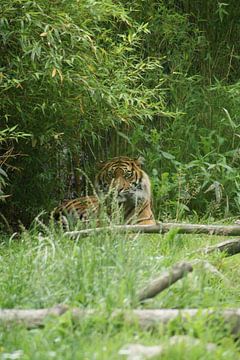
162,228
150,318
230,247
154,287
32,318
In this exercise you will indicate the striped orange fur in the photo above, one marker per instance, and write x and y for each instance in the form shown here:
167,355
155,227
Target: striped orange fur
81,208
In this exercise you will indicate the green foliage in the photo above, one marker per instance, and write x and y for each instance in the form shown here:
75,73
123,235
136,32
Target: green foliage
8,137
89,80
193,158
68,72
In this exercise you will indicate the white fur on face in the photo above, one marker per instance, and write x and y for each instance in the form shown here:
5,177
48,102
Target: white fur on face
136,193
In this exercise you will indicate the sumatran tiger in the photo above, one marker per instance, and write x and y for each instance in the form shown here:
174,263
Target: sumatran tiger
70,211
132,186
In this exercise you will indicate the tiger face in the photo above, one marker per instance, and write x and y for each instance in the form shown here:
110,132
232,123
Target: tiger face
124,176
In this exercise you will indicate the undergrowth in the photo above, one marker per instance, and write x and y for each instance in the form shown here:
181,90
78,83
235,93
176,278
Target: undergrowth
105,271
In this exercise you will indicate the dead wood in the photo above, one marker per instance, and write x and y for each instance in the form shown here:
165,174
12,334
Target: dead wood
154,317
32,318
157,285
230,247
161,228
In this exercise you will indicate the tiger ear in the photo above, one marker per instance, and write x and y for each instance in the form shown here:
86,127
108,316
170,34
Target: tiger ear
140,160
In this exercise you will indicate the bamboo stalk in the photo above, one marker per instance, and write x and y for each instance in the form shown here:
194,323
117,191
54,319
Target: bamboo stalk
161,228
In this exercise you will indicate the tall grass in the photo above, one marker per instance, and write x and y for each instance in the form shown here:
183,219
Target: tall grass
104,272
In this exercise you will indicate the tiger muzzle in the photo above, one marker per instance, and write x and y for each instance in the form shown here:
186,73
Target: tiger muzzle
121,187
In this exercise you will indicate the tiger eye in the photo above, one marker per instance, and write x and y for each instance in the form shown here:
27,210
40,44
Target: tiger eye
128,174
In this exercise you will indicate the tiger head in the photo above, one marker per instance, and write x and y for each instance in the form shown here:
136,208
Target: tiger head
126,178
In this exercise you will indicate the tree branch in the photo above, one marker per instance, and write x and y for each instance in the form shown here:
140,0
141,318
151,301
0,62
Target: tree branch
156,286
230,247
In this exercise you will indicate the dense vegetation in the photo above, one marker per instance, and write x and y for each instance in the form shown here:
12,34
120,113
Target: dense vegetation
84,81
87,80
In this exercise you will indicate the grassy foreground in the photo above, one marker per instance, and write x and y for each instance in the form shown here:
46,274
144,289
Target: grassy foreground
104,272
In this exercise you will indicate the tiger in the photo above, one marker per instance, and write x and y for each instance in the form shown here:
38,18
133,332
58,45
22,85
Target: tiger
82,208
132,185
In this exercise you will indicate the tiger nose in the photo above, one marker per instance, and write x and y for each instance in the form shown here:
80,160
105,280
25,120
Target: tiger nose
121,190
119,185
